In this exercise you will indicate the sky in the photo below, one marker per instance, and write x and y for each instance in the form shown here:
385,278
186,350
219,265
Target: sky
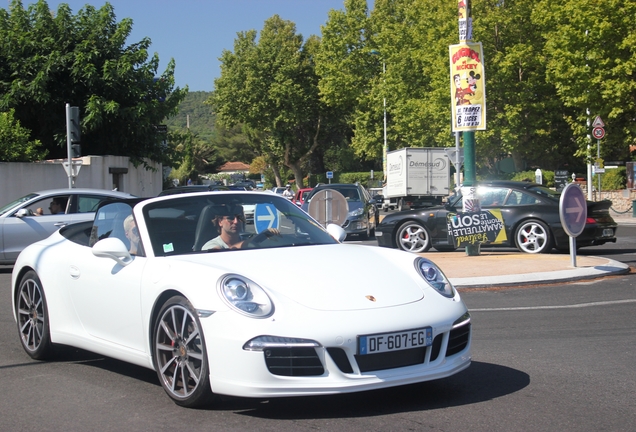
195,32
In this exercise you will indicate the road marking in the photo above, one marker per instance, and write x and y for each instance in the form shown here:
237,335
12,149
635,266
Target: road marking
575,306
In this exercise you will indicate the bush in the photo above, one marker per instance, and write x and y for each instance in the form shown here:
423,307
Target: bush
548,177
613,179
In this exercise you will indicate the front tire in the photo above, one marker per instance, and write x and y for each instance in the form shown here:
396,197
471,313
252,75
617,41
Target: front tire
413,237
33,317
533,236
180,356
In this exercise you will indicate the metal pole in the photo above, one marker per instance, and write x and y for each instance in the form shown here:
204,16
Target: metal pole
457,162
68,146
385,149
598,158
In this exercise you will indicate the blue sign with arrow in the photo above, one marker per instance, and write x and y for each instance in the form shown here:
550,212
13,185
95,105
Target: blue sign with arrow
265,216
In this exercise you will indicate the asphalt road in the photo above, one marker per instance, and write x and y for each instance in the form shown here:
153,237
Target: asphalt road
547,358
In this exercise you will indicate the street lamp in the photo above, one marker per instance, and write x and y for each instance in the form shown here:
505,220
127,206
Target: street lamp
385,147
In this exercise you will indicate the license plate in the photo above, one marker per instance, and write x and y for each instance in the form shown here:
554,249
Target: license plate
395,341
608,232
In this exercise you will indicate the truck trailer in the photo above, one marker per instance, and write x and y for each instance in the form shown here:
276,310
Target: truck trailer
416,177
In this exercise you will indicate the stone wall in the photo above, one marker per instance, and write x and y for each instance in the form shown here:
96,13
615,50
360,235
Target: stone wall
621,199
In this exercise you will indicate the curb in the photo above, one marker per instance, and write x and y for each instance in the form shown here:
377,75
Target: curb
609,267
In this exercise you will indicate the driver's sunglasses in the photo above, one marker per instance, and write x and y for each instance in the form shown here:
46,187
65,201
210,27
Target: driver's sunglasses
240,217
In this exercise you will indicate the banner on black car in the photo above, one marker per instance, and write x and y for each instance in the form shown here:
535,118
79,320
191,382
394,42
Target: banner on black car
486,226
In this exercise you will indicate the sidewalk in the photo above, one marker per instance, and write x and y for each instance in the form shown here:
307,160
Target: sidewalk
518,268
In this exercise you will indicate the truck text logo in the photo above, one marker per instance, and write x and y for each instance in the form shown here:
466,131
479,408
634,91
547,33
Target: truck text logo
438,164
396,167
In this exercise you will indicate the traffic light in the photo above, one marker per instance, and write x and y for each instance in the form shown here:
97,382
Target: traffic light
75,129
76,150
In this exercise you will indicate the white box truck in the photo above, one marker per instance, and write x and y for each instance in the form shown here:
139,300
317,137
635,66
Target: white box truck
416,177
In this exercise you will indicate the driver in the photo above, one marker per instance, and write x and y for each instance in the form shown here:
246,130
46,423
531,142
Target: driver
229,221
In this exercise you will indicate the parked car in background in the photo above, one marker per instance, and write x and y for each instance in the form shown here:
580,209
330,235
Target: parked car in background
301,195
246,184
193,188
363,214
530,213
229,321
278,190
21,222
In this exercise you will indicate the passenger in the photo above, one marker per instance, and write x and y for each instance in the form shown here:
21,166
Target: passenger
132,234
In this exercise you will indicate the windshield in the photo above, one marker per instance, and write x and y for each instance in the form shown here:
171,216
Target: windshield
544,191
225,221
15,203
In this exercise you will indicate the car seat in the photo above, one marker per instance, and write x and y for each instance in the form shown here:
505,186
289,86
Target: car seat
206,229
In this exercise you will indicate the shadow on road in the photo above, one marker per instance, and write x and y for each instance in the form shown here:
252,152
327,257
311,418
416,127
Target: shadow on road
480,382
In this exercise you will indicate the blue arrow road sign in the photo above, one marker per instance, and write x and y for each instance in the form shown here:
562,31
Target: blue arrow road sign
573,210
265,216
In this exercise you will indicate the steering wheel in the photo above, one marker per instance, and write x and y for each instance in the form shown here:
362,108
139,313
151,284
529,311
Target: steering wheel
256,240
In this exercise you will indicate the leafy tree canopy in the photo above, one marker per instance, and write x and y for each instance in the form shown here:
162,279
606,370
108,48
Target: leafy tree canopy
49,59
542,74
270,88
15,145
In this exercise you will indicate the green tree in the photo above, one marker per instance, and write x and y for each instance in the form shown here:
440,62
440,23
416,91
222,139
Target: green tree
50,59
591,60
15,144
410,72
270,88
524,113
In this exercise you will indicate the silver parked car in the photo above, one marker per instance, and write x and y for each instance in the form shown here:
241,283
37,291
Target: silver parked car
39,214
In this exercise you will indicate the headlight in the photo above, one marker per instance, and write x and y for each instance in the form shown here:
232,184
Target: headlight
434,277
356,212
245,296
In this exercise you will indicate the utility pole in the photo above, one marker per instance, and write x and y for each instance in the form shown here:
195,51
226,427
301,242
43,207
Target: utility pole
469,106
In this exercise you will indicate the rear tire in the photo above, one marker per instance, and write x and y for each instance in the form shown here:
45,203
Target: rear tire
179,354
533,236
33,317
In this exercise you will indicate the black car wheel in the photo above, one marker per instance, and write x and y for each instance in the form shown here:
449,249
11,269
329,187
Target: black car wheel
413,237
533,236
33,317
180,356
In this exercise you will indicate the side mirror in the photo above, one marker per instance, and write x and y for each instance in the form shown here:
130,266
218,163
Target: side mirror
337,232
113,248
23,212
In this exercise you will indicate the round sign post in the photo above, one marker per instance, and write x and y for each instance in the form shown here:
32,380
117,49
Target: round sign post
328,206
573,215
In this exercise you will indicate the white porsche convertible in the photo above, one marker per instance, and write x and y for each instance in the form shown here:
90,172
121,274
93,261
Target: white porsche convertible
180,284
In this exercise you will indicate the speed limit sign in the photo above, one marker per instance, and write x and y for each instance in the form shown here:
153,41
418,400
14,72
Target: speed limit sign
598,132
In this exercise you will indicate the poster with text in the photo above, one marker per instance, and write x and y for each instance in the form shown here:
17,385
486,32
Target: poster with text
468,87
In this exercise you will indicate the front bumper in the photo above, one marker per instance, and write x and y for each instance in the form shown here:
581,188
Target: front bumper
333,366
355,226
